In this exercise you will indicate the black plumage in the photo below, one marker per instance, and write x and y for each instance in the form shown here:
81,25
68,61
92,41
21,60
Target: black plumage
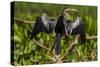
61,26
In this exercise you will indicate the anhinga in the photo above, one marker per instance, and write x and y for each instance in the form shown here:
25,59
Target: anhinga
61,26
66,27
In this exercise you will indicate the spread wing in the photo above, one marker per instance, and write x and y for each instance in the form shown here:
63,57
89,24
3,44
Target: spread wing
76,27
43,24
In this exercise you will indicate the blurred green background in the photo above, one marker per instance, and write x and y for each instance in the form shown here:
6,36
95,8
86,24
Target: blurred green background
27,52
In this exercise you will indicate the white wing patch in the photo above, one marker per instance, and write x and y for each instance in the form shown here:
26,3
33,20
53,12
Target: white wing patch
76,23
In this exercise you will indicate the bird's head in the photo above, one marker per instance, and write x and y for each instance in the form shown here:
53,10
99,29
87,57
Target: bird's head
70,13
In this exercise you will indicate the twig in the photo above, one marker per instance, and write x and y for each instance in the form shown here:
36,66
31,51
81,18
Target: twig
41,45
56,56
91,37
52,58
72,45
23,21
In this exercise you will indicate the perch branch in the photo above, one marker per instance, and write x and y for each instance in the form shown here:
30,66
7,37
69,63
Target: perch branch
23,21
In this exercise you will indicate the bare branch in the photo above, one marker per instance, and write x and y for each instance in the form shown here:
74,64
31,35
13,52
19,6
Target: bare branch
73,44
23,21
52,58
91,37
41,45
56,56
70,48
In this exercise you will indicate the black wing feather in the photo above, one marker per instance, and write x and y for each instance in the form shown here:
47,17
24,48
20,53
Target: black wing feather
80,29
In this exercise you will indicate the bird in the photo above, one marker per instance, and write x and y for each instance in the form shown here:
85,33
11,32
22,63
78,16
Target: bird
61,25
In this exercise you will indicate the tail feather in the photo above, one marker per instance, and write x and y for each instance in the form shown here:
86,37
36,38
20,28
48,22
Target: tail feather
58,45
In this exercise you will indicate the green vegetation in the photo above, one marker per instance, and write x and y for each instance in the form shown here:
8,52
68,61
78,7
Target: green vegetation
28,52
